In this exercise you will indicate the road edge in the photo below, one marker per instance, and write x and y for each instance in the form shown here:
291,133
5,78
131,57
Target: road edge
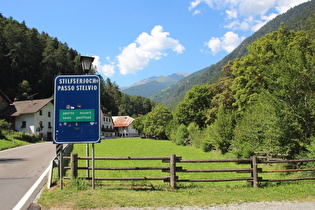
29,193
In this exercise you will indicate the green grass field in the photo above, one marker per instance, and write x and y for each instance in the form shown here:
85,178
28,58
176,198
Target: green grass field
110,194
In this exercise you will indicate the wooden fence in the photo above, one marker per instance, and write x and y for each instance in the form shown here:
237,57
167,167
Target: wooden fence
173,170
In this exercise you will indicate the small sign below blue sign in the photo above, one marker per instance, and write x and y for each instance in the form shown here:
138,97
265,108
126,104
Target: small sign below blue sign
77,109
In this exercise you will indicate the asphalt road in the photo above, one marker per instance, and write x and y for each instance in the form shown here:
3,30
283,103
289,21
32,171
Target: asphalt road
20,168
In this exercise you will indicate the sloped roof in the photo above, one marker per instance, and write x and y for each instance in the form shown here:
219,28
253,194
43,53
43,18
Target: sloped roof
24,107
122,121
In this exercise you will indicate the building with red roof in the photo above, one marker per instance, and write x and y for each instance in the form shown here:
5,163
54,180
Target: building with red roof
123,126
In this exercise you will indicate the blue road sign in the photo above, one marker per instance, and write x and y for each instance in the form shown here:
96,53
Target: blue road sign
77,109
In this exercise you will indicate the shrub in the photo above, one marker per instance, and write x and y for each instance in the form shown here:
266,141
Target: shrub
194,134
27,137
1,135
182,135
4,125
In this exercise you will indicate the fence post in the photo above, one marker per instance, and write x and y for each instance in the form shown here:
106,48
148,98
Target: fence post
173,171
74,165
255,171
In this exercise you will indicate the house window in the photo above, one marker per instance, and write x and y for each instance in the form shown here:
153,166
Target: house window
49,114
23,124
49,125
40,112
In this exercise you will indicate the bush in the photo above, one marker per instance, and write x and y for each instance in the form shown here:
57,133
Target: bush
309,154
1,135
194,134
27,137
4,125
182,135
206,146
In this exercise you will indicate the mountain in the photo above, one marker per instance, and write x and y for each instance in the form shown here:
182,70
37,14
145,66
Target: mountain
152,85
294,19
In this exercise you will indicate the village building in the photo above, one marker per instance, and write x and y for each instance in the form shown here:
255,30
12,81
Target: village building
123,126
31,117
107,126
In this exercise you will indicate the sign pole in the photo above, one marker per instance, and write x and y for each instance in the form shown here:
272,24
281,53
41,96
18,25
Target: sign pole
87,152
61,168
93,167
77,115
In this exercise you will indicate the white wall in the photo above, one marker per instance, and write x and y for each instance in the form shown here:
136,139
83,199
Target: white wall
33,122
107,123
29,119
127,131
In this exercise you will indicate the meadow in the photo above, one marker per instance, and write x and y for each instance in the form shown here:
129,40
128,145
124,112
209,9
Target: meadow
77,194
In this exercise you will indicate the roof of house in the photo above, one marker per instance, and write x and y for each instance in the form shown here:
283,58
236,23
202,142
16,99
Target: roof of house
24,107
122,121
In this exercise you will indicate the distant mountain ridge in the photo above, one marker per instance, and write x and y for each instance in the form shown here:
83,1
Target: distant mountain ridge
294,19
149,86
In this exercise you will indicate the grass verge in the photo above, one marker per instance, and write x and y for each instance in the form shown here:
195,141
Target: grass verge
11,143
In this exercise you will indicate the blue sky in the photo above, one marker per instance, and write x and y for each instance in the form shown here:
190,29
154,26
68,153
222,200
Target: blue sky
136,39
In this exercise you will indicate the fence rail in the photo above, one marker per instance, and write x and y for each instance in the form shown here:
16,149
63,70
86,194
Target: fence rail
174,170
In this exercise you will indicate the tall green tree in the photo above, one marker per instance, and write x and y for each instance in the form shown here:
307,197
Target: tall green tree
195,105
280,64
156,121
259,129
182,135
221,132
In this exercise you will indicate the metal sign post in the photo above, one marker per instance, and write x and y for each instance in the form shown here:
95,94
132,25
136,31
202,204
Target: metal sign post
77,109
93,166
77,112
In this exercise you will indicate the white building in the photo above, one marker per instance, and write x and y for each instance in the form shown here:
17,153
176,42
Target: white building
32,117
107,126
123,126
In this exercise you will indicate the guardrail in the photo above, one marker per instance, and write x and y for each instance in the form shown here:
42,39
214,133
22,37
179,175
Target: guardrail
174,170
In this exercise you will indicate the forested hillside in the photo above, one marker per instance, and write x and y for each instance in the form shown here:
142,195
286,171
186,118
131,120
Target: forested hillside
294,19
30,60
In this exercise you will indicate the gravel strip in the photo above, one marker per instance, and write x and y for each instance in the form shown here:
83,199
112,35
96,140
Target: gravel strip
274,205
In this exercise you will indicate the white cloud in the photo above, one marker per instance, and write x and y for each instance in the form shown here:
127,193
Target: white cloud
284,5
246,14
196,12
214,44
106,69
228,42
231,14
194,4
255,7
146,47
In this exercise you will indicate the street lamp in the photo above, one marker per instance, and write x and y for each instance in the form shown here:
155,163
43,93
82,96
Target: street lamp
86,67
86,63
